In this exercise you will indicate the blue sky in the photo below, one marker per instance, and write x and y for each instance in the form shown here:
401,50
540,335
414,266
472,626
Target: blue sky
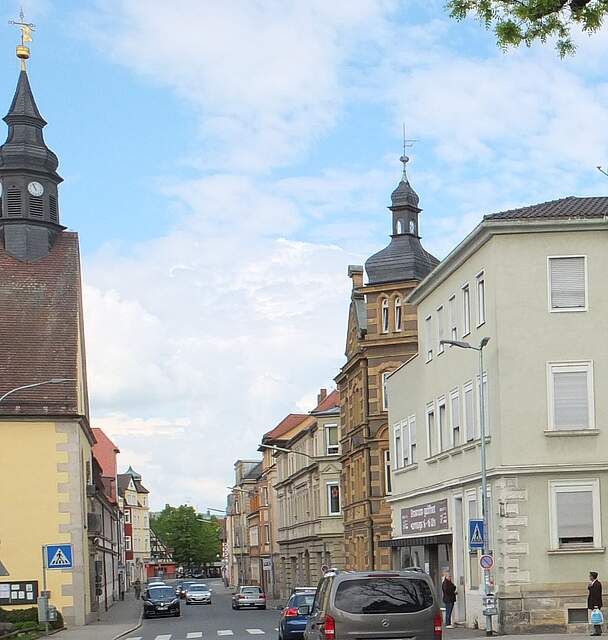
225,162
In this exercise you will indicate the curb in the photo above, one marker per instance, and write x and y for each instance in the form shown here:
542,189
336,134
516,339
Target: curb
124,633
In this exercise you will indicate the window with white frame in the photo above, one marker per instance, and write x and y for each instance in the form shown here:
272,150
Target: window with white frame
384,320
567,283
452,318
474,569
455,416
481,298
128,546
486,404
388,484
405,444
385,376
466,310
575,514
440,329
469,411
254,536
398,448
266,534
332,445
398,314
333,498
127,516
428,337
571,403
412,437
265,496
443,438
431,429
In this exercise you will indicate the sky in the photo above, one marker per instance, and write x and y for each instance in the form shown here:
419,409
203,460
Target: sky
225,162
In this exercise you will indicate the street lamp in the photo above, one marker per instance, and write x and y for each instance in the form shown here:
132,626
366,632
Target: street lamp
484,476
273,447
36,384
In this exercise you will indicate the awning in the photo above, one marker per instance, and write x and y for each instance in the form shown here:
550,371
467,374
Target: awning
445,538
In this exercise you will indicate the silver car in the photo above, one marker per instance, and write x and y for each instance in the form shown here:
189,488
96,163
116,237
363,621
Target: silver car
198,593
374,605
250,596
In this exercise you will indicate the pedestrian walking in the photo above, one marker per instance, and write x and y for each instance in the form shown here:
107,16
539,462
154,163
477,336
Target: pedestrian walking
137,588
449,598
594,603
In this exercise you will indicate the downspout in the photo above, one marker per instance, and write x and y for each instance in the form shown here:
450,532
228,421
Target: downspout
368,463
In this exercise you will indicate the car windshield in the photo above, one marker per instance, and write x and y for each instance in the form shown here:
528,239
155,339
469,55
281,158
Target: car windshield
161,593
199,587
302,600
383,595
251,591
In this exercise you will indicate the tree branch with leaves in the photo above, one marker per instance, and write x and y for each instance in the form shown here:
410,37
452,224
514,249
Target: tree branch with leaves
517,22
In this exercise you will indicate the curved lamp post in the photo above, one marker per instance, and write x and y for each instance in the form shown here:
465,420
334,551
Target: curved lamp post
36,384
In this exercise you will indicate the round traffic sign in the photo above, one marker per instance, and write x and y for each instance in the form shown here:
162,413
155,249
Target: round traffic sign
486,562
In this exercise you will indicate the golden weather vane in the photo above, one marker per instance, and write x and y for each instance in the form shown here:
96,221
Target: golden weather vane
27,28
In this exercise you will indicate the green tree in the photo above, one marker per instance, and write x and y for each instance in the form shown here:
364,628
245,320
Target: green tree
193,540
524,21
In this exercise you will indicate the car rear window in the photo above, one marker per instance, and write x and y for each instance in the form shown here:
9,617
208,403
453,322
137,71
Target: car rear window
161,593
302,599
251,590
383,595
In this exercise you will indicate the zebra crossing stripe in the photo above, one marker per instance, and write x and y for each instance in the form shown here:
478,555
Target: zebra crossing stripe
164,636
255,632
225,632
194,634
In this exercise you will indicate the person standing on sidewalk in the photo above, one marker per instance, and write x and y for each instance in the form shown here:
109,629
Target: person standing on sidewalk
594,599
449,598
137,588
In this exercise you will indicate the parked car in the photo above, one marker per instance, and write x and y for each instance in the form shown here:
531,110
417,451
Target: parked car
156,583
374,605
295,615
198,593
249,596
184,587
303,590
161,601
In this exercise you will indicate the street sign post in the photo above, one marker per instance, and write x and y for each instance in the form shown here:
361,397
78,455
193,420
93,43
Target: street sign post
59,556
476,534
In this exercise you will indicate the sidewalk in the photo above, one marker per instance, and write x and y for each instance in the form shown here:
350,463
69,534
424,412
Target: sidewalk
121,618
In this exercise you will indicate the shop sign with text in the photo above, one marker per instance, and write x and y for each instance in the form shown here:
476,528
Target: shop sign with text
425,518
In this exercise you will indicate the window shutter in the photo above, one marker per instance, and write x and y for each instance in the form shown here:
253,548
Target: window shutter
574,514
567,283
406,442
413,431
571,400
470,414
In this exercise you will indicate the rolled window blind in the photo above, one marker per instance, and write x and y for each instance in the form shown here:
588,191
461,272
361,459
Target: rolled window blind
571,400
567,283
574,514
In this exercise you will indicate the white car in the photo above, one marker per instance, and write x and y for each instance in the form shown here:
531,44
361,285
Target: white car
198,594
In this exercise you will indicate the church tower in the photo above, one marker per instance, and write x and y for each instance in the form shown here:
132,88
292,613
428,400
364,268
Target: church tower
29,209
382,334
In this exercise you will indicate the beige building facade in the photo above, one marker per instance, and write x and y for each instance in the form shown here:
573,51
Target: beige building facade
533,281
308,491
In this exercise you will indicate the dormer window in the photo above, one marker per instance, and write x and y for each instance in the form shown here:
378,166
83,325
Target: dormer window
385,316
400,226
398,317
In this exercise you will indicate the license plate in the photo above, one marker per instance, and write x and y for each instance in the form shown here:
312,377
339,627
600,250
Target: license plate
161,607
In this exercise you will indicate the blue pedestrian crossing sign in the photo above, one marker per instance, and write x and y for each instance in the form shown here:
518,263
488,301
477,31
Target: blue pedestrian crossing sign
59,556
476,534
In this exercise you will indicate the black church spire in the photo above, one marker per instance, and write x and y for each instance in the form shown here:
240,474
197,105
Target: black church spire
29,210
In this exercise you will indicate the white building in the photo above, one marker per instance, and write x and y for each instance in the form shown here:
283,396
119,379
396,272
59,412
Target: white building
533,280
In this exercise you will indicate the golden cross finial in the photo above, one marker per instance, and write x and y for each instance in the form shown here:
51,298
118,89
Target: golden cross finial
27,28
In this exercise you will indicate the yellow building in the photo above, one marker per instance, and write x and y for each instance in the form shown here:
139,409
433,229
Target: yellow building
45,438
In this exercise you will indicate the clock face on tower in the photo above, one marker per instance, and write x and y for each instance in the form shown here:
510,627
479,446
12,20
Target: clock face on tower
35,188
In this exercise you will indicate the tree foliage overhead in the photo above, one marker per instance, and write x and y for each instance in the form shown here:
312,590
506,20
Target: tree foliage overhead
525,21
194,541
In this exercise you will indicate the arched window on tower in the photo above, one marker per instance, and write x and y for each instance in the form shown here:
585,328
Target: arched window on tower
413,227
398,314
400,226
384,315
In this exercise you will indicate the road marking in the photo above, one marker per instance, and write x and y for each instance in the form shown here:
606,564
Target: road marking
255,632
225,632
194,634
136,638
165,636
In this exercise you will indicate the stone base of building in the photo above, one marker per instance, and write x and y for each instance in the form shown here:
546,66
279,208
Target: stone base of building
544,609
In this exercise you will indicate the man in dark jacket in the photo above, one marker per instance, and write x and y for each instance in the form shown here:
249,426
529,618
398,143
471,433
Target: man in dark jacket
449,598
594,599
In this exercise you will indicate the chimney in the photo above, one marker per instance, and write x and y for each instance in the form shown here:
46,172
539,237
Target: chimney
321,396
355,273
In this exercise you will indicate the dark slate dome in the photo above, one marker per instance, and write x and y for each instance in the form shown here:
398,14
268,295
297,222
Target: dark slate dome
403,259
404,195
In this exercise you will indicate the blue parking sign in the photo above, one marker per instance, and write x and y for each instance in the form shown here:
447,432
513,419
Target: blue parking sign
59,556
476,534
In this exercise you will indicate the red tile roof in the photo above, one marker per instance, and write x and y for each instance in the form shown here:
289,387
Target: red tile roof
105,452
330,401
290,421
40,324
